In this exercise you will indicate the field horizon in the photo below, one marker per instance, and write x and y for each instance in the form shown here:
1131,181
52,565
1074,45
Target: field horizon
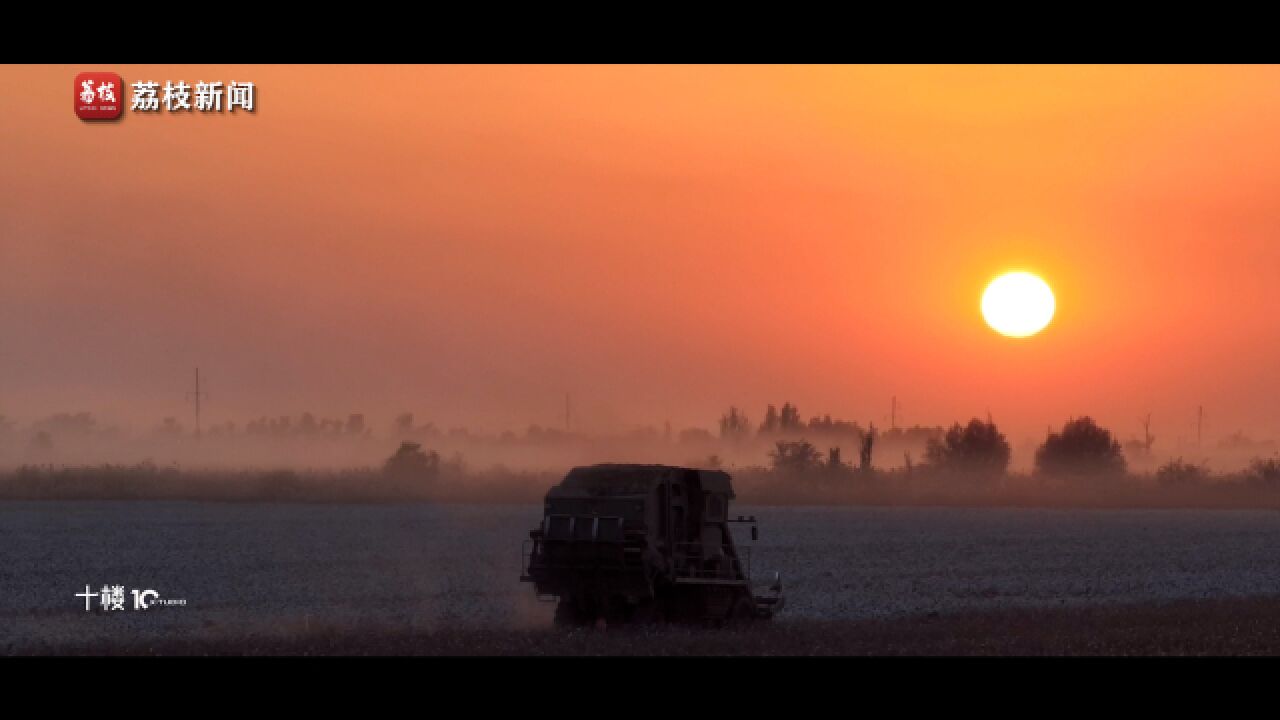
755,486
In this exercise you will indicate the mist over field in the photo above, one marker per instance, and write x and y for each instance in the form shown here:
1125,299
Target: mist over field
779,458
736,439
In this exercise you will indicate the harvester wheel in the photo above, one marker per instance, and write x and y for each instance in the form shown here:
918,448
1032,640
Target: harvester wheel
742,612
649,613
567,614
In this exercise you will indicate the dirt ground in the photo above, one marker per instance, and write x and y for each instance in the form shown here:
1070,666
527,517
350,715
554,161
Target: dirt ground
1237,626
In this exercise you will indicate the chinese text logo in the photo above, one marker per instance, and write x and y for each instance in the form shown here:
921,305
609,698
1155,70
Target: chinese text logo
112,597
98,96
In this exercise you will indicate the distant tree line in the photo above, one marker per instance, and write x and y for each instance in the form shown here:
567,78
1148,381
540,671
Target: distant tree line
734,424
976,450
820,450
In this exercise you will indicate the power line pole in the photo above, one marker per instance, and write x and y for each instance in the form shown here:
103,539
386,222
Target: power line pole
1199,424
567,425
893,414
197,395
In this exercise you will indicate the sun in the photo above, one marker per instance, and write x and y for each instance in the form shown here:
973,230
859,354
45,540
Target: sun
1018,304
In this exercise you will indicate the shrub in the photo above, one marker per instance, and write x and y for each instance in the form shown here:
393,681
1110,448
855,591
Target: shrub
796,457
410,464
976,448
1082,449
1177,473
1264,473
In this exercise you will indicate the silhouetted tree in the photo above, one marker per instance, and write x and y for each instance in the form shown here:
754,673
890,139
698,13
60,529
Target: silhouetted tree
868,442
789,419
410,464
834,470
734,425
824,426
1081,449
404,423
795,457
355,424
307,424
833,459
976,448
1138,450
770,424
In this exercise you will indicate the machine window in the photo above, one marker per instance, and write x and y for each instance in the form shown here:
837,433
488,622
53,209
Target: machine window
584,528
559,527
609,529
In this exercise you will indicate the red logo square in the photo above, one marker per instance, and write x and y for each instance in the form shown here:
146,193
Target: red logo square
99,96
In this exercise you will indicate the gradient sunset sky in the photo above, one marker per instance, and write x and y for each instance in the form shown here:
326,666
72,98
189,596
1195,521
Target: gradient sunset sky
471,243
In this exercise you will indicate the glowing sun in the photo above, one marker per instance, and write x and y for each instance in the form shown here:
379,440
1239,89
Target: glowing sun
1017,304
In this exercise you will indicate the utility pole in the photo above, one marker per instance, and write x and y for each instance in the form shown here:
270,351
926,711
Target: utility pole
567,425
893,414
197,395
1199,424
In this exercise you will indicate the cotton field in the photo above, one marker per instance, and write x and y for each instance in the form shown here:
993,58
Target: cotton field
262,569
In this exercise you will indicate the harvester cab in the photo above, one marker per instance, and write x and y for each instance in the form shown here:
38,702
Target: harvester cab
636,543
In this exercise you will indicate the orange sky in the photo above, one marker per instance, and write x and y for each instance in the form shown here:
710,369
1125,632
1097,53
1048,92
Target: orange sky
472,242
